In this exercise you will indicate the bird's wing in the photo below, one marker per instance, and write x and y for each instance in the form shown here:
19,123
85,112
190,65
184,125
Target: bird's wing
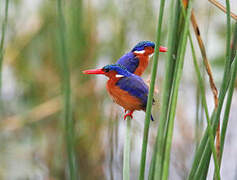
135,86
130,61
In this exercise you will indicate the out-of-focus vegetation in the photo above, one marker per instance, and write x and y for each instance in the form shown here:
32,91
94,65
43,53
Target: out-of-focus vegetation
32,129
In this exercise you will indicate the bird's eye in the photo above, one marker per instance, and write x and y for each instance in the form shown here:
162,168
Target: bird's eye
106,70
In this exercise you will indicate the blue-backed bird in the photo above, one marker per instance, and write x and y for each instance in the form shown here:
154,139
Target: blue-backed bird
126,89
136,61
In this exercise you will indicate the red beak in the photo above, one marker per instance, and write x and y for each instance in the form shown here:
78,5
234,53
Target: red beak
163,49
94,71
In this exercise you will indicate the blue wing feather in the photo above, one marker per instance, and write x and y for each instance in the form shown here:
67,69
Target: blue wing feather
135,86
130,61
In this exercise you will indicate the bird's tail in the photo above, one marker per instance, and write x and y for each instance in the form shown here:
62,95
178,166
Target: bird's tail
152,118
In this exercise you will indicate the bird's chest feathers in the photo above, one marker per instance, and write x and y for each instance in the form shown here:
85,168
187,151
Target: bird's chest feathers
121,97
113,90
143,63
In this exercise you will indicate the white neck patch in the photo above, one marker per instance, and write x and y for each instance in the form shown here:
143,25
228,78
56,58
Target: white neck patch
151,55
119,75
140,52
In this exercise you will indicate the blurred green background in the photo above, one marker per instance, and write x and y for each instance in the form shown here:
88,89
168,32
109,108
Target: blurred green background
97,33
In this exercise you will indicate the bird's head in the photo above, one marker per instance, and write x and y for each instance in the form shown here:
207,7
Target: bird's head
147,48
111,71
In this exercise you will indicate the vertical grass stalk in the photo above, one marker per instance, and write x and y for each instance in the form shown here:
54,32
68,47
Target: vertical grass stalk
210,130
156,163
202,156
228,103
204,103
197,115
178,74
229,98
69,131
126,152
4,26
151,92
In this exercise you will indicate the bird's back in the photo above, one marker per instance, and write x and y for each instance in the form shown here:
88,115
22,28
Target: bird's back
130,61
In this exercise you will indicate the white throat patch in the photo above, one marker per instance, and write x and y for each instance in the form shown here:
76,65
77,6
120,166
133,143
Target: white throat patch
140,52
119,75
151,55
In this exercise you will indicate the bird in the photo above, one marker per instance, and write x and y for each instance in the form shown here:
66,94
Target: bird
136,61
125,88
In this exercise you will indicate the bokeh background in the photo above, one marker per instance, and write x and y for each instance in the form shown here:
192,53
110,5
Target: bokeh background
98,32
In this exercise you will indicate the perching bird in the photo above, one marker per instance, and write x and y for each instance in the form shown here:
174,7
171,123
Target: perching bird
126,89
136,61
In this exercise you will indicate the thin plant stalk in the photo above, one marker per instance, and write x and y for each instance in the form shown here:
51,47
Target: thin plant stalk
228,103
178,74
210,130
151,92
198,107
202,88
4,26
126,152
156,164
227,109
203,153
234,43
69,131
221,7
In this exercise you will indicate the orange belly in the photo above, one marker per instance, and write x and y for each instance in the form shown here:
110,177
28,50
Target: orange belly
123,98
143,63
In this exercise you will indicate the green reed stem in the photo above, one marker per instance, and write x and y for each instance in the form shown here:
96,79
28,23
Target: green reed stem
69,131
202,156
210,130
204,102
156,163
4,26
126,152
197,115
229,98
200,79
178,74
228,103
151,92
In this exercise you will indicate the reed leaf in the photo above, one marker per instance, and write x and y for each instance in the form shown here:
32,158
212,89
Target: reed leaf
166,90
228,103
66,87
230,93
204,102
210,130
202,155
126,152
151,92
178,74
4,26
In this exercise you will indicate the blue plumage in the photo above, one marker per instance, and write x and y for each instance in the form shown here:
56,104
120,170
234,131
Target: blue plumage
126,89
135,86
141,45
130,61
120,69
131,83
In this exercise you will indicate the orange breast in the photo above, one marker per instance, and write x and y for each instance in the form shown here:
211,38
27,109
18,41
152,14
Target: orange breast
122,97
143,63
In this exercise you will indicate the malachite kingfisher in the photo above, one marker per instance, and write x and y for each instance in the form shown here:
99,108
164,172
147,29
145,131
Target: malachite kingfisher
126,89
136,61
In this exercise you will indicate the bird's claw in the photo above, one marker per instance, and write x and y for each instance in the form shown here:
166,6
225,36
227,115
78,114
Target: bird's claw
128,114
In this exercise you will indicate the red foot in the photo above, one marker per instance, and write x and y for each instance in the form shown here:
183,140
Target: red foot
128,114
